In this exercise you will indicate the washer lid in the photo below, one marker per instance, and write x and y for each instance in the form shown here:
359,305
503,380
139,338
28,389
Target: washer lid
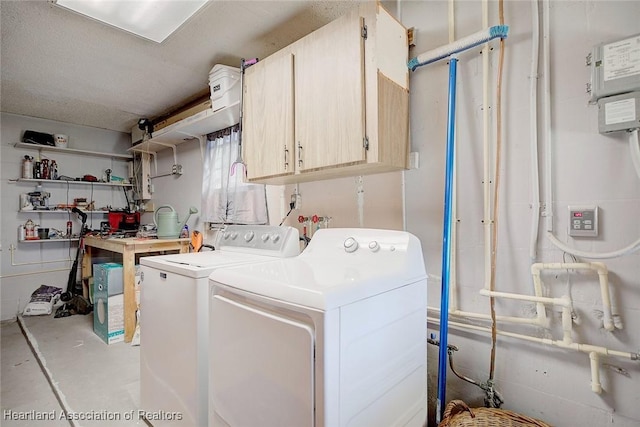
199,264
330,272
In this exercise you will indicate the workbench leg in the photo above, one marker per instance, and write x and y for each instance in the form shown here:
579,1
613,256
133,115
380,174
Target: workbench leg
86,274
129,278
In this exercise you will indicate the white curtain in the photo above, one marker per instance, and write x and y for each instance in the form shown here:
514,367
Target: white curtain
226,198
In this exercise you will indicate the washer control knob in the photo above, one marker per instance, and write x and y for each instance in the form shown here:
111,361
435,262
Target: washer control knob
226,235
234,235
350,245
264,237
275,237
249,236
374,246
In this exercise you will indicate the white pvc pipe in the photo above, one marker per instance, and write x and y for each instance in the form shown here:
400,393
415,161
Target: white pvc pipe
360,200
202,140
533,127
548,210
603,276
453,300
486,154
594,351
563,301
533,321
585,348
596,387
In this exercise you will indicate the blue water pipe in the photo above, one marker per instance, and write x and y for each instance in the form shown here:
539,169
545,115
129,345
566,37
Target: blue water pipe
446,240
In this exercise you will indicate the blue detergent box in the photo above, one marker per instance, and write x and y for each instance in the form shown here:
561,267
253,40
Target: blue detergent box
108,302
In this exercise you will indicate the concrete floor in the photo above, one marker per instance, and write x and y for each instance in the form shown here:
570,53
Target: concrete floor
98,384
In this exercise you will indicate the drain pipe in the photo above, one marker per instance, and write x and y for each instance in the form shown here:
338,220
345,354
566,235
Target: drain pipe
596,387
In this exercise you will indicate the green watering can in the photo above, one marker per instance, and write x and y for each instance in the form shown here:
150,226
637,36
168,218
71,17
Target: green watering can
167,224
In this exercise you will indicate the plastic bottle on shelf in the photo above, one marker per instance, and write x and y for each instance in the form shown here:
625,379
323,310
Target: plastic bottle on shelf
27,167
30,229
185,232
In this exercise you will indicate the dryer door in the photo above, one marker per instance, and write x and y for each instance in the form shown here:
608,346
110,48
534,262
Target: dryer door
261,368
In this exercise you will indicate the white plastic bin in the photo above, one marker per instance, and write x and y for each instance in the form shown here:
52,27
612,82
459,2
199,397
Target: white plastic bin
224,84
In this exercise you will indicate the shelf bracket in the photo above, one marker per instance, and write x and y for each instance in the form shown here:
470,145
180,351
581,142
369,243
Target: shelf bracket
176,169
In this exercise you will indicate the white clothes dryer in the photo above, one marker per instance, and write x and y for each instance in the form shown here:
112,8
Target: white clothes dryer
334,337
174,319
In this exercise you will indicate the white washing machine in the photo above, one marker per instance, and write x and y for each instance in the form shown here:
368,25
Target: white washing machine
174,319
334,337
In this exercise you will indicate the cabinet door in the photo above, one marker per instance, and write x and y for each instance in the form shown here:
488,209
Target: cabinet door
267,138
329,96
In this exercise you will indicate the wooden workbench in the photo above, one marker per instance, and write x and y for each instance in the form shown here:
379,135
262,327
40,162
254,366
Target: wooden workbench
129,248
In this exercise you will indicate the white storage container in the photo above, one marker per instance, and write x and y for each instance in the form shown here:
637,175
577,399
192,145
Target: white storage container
224,84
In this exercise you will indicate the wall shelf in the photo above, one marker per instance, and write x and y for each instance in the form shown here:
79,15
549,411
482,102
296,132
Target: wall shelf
47,240
61,211
72,151
61,181
191,128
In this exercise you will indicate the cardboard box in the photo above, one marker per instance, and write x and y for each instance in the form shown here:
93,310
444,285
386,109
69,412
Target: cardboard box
110,275
108,318
183,114
108,305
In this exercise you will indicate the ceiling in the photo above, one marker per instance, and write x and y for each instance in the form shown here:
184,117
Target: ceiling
62,66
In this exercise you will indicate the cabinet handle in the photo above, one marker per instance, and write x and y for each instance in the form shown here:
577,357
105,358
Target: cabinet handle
299,155
286,161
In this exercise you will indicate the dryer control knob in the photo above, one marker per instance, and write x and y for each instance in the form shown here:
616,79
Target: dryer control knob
374,246
226,235
249,236
350,245
275,237
264,237
234,235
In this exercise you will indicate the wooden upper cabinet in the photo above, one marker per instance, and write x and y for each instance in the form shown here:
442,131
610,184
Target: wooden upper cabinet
330,116
267,129
335,103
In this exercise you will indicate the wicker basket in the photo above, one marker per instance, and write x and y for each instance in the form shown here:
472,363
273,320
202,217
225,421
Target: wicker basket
458,414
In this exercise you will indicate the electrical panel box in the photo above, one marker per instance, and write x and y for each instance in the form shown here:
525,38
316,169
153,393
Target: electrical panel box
583,221
615,67
619,112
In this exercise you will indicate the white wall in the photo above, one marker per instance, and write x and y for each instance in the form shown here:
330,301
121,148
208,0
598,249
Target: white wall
25,266
588,168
